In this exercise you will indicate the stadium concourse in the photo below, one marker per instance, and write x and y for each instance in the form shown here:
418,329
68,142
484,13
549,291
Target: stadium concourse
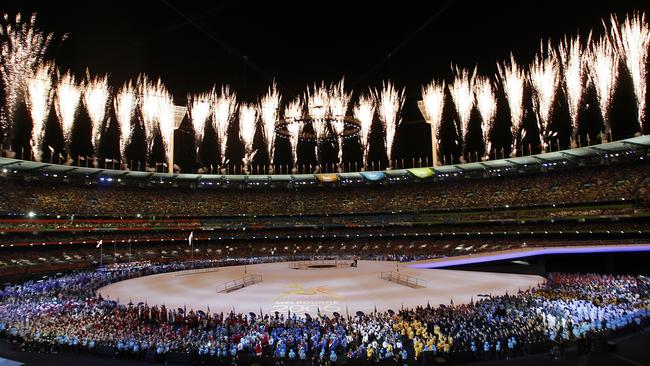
327,268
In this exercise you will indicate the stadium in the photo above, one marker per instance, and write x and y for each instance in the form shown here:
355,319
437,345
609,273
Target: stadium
475,218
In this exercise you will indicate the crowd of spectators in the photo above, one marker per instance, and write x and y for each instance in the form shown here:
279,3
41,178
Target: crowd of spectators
76,225
82,252
66,314
586,185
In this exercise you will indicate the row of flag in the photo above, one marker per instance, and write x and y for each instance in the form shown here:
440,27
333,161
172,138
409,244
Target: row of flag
189,240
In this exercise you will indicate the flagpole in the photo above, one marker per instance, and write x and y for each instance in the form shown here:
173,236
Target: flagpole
101,256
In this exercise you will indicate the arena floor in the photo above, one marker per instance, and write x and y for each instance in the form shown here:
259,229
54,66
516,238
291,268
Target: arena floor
311,290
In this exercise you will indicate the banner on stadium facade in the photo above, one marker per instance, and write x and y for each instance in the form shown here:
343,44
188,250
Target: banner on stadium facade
327,177
373,176
421,172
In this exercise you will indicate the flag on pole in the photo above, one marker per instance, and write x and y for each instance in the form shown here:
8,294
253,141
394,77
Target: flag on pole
189,238
100,242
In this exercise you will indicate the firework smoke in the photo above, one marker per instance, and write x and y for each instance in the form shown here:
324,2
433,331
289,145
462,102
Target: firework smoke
462,92
512,80
338,104
603,69
632,40
390,101
223,111
96,100
21,52
544,78
247,125
199,109
293,115
364,111
124,103
39,102
66,104
269,114
573,64
487,108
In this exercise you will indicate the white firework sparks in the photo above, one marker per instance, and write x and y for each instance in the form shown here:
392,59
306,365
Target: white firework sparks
338,103
632,40
573,65
149,110
433,97
96,100
124,103
157,109
603,69
544,78
293,115
199,108
317,107
247,126
487,108
166,122
66,104
223,111
389,101
512,79
39,102
269,114
21,52
364,112
462,92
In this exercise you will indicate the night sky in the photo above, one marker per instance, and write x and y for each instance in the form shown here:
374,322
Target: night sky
193,45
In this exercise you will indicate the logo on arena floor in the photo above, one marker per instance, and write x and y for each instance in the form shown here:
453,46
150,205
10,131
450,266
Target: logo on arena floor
298,289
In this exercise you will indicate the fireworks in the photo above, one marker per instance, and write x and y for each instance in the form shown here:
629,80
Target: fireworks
223,111
39,101
632,40
247,125
157,109
512,79
390,101
292,114
317,107
317,99
462,92
124,103
487,107
96,100
433,96
338,104
21,51
166,122
66,104
573,64
603,69
364,111
269,114
199,109
544,78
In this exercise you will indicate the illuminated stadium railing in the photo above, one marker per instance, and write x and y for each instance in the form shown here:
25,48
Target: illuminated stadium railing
636,146
403,279
239,283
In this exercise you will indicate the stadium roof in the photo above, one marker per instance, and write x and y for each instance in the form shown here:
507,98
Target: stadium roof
595,154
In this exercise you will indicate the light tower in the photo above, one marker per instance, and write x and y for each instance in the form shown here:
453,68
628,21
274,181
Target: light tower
434,138
179,113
